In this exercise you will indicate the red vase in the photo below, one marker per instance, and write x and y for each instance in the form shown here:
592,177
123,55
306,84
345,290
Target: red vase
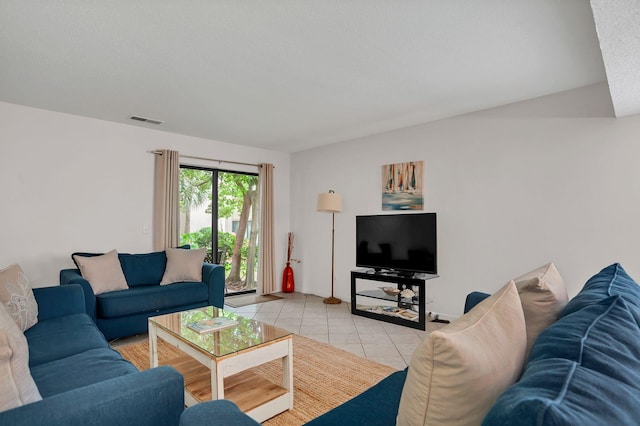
288,283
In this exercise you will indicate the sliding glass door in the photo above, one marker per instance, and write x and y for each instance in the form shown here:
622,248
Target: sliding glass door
218,211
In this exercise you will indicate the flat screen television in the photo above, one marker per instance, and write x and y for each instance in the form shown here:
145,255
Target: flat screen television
404,243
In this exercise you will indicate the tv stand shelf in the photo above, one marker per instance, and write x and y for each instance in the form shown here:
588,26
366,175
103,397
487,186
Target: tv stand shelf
381,295
406,311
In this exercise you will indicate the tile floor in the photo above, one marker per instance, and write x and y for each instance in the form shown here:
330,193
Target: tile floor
304,314
383,342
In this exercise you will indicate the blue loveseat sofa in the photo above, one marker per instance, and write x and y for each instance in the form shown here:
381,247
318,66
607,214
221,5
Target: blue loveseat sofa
82,380
125,312
582,370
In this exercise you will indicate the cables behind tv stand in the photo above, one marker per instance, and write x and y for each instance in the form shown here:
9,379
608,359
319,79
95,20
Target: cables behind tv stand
392,273
399,274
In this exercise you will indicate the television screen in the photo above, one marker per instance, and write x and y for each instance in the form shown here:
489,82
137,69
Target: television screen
400,242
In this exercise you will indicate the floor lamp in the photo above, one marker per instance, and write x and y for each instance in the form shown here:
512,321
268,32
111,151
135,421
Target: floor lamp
331,202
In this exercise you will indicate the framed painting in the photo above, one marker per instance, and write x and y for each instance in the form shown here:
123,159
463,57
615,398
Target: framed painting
402,185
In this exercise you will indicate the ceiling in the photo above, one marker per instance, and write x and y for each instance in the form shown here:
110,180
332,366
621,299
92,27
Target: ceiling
290,75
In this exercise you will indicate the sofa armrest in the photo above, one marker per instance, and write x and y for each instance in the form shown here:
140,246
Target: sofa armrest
219,412
213,276
59,301
152,397
473,299
73,276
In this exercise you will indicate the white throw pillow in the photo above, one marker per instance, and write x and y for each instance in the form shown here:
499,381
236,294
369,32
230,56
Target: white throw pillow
17,296
459,371
103,272
17,387
543,295
183,265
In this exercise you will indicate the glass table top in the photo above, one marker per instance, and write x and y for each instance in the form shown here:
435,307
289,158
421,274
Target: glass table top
244,335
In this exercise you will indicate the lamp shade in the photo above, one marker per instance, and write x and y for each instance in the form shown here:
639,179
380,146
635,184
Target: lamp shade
329,202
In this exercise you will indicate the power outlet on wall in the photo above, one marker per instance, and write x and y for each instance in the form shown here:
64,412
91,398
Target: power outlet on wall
145,229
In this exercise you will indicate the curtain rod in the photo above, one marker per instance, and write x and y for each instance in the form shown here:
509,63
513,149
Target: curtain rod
210,159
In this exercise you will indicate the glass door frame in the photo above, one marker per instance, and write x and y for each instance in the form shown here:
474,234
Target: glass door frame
214,213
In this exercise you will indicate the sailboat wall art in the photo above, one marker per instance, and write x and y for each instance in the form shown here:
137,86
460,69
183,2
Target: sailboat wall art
402,185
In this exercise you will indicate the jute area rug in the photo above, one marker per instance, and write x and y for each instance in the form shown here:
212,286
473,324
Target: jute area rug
249,299
323,376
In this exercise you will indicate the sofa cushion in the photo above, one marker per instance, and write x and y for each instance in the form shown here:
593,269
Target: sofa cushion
583,369
473,299
378,405
610,281
61,337
183,265
88,367
17,387
150,298
143,269
91,254
543,296
138,269
9,394
225,412
459,371
104,273
17,296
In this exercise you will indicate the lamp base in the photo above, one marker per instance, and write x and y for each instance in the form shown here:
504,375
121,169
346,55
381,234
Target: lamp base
332,300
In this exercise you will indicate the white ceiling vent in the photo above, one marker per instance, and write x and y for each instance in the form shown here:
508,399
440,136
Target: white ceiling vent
146,120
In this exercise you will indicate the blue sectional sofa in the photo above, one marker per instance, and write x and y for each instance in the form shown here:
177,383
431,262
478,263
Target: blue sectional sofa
125,312
582,370
585,368
82,380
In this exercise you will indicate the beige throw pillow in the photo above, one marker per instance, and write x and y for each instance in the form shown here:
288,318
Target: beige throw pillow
183,265
456,375
17,296
17,387
103,272
543,295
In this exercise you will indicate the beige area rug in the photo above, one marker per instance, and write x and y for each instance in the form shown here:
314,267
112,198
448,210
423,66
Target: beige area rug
323,376
249,299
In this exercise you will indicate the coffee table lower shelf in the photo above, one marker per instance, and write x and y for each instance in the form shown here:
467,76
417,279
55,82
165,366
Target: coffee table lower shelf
248,390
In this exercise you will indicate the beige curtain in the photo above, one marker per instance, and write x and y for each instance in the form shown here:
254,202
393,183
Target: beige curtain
266,262
166,214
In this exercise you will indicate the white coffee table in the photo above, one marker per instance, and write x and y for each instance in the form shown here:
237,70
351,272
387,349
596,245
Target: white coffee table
215,365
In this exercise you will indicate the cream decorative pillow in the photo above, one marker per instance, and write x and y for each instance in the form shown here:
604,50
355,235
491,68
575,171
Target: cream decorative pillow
17,296
17,387
456,375
103,272
543,296
183,265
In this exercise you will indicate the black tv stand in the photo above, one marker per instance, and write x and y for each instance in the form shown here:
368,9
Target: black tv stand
407,311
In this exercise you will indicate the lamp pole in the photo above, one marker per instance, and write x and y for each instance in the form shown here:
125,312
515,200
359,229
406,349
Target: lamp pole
331,203
332,300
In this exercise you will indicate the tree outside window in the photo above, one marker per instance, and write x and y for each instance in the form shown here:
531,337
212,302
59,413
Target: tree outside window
232,205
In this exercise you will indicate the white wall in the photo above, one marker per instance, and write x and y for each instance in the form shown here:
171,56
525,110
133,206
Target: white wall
71,183
552,179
